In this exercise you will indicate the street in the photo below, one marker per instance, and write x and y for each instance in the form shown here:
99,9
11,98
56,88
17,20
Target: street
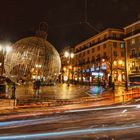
93,113
106,123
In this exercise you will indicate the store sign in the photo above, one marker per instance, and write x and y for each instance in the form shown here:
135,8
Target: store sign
96,74
87,70
92,69
97,68
103,67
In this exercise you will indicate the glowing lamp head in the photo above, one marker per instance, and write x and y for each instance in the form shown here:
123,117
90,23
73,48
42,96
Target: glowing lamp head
72,55
66,54
103,60
120,62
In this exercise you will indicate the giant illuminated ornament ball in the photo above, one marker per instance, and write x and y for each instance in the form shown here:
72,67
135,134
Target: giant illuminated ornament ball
33,58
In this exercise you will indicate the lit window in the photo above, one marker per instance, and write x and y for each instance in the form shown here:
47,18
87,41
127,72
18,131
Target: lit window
133,41
115,44
104,46
92,49
115,63
133,64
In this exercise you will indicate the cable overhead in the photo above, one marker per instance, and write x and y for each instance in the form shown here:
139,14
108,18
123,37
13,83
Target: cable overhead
86,19
81,22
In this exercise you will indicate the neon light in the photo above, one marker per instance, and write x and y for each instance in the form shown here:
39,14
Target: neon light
96,74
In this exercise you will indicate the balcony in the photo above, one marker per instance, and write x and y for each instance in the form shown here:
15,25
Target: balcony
134,70
93,61
132,33
135,55
87,62
101,41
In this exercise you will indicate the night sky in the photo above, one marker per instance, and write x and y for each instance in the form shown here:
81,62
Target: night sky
65,18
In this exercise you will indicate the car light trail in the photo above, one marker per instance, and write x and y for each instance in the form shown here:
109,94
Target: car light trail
102,108
68,133
125,110
20,123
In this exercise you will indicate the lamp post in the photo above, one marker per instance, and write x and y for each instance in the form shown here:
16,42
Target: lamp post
4,49
69,56
125,61
100,61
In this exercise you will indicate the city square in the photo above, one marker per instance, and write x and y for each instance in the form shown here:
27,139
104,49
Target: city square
63,76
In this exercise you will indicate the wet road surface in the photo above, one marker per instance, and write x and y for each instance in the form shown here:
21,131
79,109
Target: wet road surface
111,123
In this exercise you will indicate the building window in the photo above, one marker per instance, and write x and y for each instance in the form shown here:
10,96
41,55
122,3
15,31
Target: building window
87,51
115,54
121,36
93,58
83,60
133,52
104,54
90,44
88,59
98,57
115,44
114,35
133,64
99,39
133,41
93,42
92,50
84,47
104,46
83,53
98,48
122,54
105,36
122,45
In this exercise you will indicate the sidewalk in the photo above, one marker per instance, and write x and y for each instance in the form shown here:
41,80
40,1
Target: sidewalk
44,109
109,97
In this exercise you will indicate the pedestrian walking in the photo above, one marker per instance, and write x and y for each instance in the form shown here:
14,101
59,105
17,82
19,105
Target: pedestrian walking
13,91
6,89
113,86
36,87
26,87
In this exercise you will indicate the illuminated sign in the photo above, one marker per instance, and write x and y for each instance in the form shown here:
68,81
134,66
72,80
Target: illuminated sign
103,67
92,69
96,74
87,70
97,68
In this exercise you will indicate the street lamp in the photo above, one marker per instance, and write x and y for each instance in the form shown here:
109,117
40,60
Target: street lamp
69,56
38,66
125,60
4,49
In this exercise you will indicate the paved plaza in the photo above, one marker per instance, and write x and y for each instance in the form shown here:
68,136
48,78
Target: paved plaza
74,92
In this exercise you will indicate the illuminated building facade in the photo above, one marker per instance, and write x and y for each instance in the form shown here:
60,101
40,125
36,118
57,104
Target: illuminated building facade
100,57
132,41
